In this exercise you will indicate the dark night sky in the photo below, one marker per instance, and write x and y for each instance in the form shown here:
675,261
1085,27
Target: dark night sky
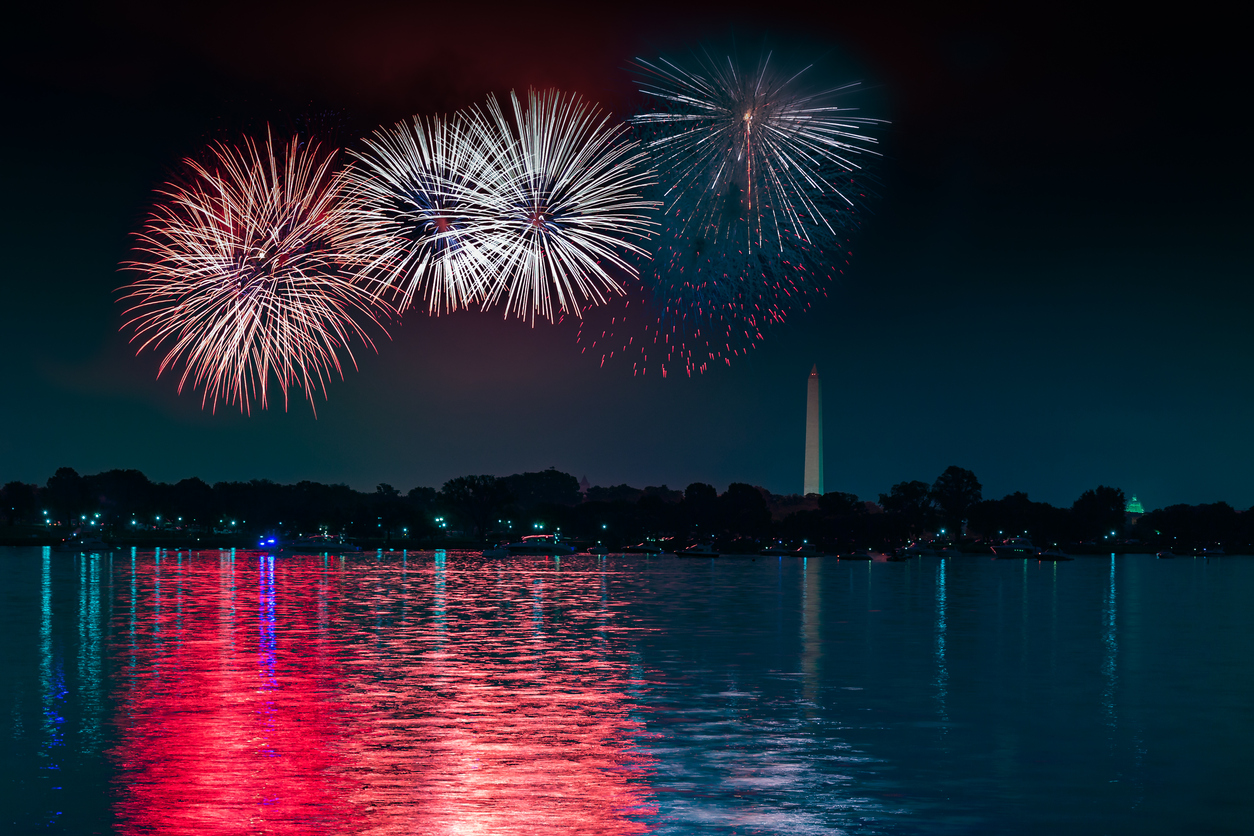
1055,291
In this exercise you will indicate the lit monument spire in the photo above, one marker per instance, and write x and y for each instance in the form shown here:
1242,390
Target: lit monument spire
814,435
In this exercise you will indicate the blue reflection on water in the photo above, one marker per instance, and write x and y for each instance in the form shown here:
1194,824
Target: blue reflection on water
266,649
942,672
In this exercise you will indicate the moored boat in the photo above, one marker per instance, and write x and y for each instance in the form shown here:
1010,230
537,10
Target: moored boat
1013,547
83,543
644,548
312,544
539,544
699,550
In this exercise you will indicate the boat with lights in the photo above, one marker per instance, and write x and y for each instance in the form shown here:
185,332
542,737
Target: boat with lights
311,544
549,544
1013,547
644,548
84,543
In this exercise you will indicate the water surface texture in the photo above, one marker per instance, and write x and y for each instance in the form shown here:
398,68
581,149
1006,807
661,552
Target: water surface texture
219,692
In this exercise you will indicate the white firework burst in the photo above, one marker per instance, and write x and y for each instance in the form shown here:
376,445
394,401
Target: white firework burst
751,150
240,279
565,201
419,221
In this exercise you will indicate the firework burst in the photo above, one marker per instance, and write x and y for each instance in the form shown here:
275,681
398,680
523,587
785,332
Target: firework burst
566,202
419,216
240,279
751,152
761,185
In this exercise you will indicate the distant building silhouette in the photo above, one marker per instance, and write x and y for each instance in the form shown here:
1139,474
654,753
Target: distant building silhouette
1132,511
813,481
583,486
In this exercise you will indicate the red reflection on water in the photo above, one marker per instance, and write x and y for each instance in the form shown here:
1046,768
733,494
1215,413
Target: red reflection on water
310,695
225,727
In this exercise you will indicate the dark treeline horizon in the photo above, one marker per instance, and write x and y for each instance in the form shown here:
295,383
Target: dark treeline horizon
125,503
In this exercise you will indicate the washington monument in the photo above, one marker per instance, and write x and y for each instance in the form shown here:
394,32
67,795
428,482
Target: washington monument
814,435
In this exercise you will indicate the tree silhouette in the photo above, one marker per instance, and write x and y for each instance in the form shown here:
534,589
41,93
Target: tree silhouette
66,494
910,506
547,487
476,500
744,511
837,504
1098,512
701,506
955,492
18,502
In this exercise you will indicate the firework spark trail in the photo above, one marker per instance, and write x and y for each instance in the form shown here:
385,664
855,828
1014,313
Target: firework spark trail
241,280
420,220
568,203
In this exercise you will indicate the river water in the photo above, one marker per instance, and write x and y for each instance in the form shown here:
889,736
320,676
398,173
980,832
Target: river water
441,693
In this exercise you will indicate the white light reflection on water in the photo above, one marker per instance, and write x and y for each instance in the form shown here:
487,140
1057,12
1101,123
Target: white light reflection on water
1111,642
942,671
90,680
811,624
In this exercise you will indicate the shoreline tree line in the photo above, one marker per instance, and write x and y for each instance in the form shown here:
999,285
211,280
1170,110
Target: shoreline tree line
126,507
